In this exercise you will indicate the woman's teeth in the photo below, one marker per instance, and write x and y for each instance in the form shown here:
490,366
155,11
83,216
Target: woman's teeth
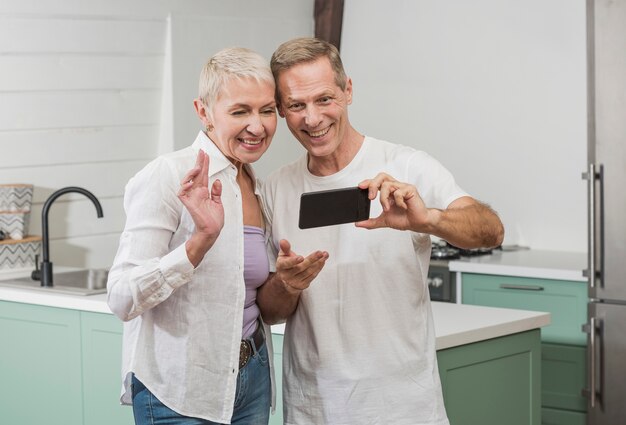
251,142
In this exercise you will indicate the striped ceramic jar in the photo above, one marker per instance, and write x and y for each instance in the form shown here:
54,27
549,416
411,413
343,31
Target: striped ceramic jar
16,197
19,254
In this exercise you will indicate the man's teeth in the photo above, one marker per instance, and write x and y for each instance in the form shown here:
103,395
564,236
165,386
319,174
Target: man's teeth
319,133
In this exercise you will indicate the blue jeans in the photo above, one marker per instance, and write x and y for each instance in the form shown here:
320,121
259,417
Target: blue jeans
252,398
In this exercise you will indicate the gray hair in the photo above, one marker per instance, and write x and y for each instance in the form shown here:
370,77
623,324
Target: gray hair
229,63
304,50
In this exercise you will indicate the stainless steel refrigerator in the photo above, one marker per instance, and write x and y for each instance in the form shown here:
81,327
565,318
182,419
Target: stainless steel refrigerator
606,179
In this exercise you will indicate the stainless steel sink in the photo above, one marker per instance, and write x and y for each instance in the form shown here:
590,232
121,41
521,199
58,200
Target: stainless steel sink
80,282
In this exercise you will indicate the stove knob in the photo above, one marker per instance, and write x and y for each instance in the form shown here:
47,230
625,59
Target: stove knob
436,282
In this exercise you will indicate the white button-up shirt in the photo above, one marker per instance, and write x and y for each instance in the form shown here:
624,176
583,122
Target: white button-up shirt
182,327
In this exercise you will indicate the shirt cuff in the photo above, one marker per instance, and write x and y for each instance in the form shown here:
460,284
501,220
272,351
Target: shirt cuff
176,267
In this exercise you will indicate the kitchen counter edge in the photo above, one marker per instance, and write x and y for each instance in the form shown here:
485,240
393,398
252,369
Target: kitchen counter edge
455,324
531,263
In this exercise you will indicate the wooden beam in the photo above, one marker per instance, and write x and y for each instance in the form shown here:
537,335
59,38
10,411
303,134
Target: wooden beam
328,20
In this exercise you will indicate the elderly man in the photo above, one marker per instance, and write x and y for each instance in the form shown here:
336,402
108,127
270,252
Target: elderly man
359,340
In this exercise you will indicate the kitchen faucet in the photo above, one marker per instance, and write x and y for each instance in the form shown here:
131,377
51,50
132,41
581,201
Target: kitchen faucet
45,274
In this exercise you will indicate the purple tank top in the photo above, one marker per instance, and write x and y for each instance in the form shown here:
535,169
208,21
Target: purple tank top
256,268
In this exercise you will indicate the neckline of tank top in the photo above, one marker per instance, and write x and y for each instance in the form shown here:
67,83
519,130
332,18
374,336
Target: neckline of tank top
252,229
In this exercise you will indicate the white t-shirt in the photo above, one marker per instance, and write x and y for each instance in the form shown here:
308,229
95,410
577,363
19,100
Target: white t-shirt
360,348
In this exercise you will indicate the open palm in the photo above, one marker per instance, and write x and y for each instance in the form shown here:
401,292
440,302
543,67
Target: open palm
205,207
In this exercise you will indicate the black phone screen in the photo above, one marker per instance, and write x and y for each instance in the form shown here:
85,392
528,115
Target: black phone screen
337,206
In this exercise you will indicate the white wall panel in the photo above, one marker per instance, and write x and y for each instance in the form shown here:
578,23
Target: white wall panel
47,72
251,9
105,179
40,34
78,109
76,145
87,8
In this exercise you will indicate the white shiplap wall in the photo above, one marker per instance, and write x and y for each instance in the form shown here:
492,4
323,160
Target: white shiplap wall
87,97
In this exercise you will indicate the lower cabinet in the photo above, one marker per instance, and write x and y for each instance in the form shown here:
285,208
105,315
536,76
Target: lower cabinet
60,366
63,367
562,417
40,373
491,382
277,342
563,369
563,348
101,341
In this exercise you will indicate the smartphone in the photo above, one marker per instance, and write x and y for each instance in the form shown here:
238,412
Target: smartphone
337,206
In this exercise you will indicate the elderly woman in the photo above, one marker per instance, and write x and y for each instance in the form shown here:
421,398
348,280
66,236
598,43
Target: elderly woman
191,258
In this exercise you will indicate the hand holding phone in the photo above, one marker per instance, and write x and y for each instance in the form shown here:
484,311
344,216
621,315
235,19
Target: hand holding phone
330,207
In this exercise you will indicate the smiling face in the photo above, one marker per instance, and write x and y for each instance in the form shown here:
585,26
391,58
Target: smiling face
316,111
242,119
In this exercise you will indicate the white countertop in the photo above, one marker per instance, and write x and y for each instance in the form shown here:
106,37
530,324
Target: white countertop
455,324
460,324
92,303
526,263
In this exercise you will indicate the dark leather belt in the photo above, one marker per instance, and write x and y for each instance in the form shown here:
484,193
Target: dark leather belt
246,351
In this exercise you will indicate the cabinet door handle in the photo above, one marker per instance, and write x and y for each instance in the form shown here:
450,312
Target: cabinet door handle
522,287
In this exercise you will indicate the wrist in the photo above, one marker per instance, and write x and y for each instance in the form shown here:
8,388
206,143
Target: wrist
197,246
433,220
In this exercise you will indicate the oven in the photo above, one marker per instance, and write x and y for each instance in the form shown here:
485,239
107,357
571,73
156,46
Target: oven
441,282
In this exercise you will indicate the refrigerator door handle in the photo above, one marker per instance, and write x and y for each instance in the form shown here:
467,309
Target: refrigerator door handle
593,328
591,177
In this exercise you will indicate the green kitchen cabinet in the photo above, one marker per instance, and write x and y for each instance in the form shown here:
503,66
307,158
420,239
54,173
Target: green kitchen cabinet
566,301
493,382
490,382
62,366
562,376
101,342
563,359
40,372
562,417
277,343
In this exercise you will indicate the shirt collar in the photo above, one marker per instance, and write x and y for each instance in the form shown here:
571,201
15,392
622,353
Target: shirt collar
217,161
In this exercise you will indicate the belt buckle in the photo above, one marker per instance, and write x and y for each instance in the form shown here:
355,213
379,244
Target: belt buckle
245,352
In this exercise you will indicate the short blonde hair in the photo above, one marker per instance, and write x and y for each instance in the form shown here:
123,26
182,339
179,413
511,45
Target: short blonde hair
232,62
